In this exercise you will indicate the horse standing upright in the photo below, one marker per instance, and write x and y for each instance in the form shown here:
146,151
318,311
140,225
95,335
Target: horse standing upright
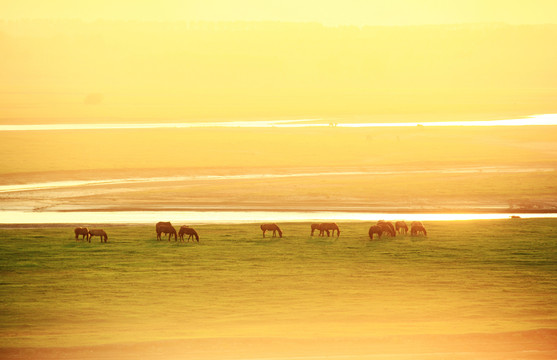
98,232
401,227
316,227
184,229
271,227
165,227
81,231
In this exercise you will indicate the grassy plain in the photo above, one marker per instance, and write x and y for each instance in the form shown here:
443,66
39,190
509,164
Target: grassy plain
476,289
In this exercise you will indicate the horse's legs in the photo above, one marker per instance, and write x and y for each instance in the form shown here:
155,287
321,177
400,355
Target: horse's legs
264,233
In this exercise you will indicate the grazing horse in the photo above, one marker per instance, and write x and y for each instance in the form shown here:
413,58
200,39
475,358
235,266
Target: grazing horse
329,227
387,227
270,227
165,227
375,229
401,227
188,231
81,231
316,227
417,229
98,232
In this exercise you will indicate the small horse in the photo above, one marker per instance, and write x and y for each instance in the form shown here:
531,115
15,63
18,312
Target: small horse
417,229
375,229
188,231
329,227
387,227
81,231
269,227
401,227
165,227
98,232
316,227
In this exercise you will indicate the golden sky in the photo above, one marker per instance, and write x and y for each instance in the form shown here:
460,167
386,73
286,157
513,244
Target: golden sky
336,12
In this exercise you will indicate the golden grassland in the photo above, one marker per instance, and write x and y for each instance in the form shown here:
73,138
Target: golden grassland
473,288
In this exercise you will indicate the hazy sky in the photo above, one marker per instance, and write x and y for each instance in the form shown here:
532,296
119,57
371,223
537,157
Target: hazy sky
332,12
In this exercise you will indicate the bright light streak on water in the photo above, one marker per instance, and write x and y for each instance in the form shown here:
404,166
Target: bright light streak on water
140,180
540,120
231,217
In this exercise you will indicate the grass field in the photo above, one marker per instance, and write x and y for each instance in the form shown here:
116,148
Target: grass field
486,277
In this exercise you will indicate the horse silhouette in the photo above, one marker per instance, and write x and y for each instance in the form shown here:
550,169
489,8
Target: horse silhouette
81,231
375,229
329,227
188,231
387,227
98,232
401,227
165,227
416,229
271,227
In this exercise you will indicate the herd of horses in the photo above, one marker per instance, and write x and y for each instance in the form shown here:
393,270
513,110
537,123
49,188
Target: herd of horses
164,228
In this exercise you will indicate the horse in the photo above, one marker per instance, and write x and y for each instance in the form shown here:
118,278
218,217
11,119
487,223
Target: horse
417,229
316,227
81,231
165,227
401,227
188,231
329,227
98,232
375,229
273,227
387,227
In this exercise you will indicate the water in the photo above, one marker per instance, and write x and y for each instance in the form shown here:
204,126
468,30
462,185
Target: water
139,180
538,120
235,217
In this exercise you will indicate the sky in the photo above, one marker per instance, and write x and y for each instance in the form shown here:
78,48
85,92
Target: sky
335,12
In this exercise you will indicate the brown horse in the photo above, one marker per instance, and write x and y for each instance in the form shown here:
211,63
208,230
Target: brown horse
81,231
269,227
417,229
401,227
375,229
387,227
165,227
316,227
98,232
329,227
188,231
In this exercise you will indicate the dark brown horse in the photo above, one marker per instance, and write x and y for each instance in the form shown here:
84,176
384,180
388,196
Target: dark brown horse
401,227
328,227
188,231
98,232
271,227
81,231
375,229
165,227
387,227
417,229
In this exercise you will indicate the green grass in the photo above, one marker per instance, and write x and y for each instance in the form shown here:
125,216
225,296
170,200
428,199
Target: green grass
472,276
